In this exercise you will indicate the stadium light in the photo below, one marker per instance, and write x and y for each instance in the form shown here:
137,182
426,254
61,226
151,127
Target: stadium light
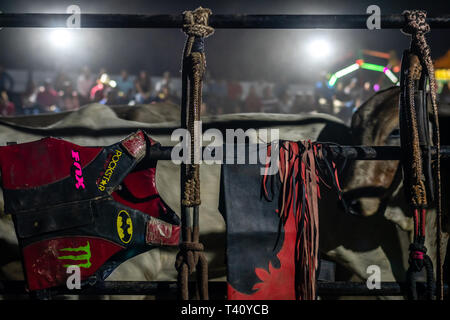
61,38
319,49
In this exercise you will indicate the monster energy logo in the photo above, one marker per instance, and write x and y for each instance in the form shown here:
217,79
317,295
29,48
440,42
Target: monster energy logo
86,256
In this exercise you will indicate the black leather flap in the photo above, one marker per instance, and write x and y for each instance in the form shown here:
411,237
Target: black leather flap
62,217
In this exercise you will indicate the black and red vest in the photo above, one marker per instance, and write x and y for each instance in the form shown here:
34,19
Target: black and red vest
93,207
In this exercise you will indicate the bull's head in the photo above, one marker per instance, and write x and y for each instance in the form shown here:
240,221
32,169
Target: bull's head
369,184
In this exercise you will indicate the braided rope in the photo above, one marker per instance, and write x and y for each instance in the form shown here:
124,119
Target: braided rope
417,27
191,257
196,23
194,66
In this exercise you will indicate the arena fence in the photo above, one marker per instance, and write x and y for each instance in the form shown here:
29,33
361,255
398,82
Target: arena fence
217,21
230,21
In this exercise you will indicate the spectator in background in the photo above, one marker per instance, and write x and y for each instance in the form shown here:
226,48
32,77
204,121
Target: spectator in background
102,71
164,82
281,87
269,102
98,92
163,94
6,81
110,97
125,87
6,106
366,92
217,88
353,91
299,103
29,97
323,95
47,98
340,98
213,95
313,104
60,80
340,93
286,101
69,97
253,101
143,85
85,82
234,95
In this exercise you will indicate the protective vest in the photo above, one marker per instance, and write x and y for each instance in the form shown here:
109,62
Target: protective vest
92,207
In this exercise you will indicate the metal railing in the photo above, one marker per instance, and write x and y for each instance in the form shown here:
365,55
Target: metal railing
230,21
217,21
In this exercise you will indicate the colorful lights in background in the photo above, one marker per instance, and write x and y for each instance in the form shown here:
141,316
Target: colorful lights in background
360,64
442,77
442,74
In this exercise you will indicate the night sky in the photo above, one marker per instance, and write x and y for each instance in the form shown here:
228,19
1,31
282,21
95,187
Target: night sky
239,54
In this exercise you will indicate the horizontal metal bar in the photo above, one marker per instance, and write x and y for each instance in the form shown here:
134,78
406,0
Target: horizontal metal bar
218,21
217,288
349,152
377,152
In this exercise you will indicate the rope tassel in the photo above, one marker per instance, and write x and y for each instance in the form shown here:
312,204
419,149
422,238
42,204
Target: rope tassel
417,66
191,257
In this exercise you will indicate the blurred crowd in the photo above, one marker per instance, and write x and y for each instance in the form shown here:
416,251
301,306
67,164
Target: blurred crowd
340,100
64,94
219,96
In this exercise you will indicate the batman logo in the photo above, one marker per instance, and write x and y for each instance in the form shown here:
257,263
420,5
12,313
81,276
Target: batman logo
124,226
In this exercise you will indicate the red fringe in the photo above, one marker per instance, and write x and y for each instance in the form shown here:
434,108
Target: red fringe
299,197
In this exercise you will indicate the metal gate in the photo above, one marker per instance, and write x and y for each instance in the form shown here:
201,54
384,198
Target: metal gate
230,21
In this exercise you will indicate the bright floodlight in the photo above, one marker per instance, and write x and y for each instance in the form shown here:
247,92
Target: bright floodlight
60,38
319,49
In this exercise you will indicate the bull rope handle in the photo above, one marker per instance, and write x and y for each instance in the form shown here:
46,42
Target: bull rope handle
416,67
191,257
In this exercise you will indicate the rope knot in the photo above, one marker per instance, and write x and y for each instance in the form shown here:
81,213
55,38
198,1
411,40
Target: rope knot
416,256
196,23
189,255
415,22
191,246
417,247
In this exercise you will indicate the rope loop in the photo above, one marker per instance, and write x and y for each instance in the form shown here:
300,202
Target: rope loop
415,22
196,23
189,258
189,255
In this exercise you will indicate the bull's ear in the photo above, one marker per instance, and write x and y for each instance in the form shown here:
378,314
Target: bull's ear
336,132
368,116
